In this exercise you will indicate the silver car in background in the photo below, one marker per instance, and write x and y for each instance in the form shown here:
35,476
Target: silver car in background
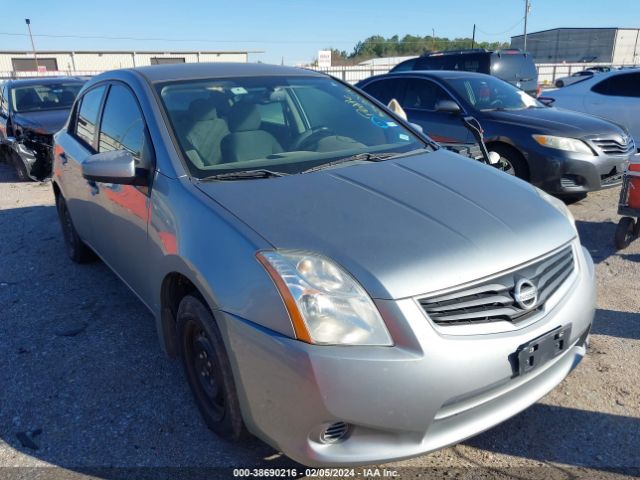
334,283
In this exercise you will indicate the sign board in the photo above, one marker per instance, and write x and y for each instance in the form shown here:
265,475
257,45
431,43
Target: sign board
324,58
42,68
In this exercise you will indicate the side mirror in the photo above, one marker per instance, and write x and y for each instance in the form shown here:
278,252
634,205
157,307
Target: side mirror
447,106
117,167
547,101
417,127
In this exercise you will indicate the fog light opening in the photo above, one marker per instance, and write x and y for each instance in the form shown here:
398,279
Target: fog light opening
334,432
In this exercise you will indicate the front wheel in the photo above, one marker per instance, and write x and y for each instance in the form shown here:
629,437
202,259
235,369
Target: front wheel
511,161
208,370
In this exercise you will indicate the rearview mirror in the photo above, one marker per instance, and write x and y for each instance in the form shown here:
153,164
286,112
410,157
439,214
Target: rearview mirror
447,106
547,101
117,166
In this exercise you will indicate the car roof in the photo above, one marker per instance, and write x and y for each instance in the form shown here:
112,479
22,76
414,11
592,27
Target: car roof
43,81
188,71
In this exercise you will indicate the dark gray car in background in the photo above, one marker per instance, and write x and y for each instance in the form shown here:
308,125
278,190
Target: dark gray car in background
511,65
561,151
31,111
333,283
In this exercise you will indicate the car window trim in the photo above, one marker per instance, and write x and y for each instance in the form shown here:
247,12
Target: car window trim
147,134
76,113
451,96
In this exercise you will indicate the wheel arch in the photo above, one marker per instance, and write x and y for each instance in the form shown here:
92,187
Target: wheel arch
506,143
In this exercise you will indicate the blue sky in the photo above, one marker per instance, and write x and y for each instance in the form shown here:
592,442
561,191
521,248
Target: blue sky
293,29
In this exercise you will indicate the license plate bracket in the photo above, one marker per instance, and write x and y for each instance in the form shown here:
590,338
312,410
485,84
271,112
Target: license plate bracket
542,349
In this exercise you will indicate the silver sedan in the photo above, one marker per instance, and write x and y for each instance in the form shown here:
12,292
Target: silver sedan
333,282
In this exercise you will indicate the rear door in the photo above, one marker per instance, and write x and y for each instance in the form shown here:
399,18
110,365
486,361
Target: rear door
4,113
120,225
73,147
419,102
617,98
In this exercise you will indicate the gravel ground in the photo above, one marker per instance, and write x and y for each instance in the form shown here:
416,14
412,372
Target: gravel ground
85,391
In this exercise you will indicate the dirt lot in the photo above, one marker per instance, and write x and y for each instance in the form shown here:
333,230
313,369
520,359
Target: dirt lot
86,392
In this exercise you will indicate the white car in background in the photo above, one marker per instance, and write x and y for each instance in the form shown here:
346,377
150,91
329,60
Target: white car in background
612,95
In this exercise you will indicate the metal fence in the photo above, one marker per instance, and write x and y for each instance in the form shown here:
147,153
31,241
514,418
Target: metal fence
6,75
547,72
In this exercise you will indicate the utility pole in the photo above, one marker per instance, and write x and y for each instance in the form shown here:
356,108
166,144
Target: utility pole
527,9
433,39
33,45
473,37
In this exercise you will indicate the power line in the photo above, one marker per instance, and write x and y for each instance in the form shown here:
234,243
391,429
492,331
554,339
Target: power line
202,40
506,31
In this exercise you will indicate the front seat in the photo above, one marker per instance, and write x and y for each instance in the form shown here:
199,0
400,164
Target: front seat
205,132
246,141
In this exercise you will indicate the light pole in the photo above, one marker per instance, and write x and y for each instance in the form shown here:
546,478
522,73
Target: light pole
433,39
33,45
527,9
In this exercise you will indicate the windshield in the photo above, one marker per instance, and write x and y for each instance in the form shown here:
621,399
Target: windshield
53,96
489,93
283,124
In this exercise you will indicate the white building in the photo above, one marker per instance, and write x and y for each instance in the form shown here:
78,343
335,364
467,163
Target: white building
90,62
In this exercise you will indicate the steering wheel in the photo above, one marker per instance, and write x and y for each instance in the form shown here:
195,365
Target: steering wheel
310,137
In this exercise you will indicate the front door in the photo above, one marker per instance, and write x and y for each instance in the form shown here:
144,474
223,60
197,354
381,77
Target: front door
120,224
419,102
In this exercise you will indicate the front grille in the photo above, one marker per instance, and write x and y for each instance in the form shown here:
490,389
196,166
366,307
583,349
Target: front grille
614,146
494,300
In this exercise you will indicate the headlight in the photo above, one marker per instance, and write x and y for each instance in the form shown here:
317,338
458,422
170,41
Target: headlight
558,205
563,143
326,305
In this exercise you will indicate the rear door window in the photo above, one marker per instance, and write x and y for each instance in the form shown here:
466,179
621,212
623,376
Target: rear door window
513,67
475,62
386,89
87,118
623,85
423,94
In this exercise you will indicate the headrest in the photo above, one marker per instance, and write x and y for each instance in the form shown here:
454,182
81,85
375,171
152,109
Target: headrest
244,117
202,109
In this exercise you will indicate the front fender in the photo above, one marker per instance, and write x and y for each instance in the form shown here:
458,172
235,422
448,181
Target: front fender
192,235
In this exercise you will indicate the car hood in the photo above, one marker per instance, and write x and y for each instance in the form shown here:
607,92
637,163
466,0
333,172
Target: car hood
555,121
45,122
402,227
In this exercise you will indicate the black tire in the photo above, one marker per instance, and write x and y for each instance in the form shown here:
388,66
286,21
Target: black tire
75,247
559,83
21,170
625,232
208,370
511,160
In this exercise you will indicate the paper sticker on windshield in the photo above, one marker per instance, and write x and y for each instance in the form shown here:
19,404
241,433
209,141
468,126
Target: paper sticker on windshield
238,90
379,122
392,124
404,137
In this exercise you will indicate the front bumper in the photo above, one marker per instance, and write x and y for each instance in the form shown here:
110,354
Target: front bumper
428,391
35,156
573,173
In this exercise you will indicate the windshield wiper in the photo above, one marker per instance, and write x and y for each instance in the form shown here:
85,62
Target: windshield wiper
244,175
365,157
